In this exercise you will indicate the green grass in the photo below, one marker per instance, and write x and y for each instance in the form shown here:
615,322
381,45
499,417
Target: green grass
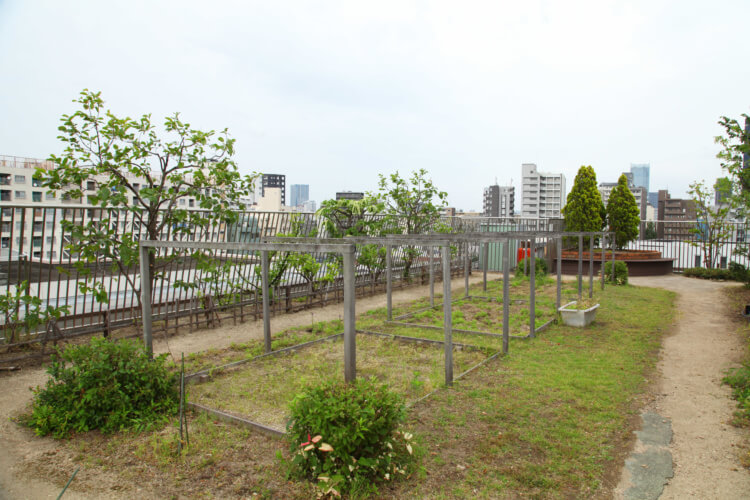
262,390
549,423
549,420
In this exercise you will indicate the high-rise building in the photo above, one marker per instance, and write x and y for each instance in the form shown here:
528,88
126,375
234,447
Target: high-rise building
641,174
543,194
349,195
672,216
498,201
299,193
274,181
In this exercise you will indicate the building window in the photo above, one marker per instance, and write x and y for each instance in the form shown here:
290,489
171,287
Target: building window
20,195
20,179
36,241
38,226
5,242
4,195
191,203
36,196
50,195
36,183
91,185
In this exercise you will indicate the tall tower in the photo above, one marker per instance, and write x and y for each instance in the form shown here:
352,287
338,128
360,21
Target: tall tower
641,173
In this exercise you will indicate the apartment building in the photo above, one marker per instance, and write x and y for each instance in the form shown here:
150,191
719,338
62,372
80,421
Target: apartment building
542,194
274,181
675,217
498,201
31,215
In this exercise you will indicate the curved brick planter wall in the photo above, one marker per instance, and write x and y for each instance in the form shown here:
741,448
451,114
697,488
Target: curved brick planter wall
640,262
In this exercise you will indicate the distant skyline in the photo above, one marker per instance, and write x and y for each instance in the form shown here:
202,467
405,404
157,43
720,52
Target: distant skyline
331,94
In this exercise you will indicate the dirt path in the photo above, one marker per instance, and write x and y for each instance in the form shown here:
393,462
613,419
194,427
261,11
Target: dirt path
704,447
17,446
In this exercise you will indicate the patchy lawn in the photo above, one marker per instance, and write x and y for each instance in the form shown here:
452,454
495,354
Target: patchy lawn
550,420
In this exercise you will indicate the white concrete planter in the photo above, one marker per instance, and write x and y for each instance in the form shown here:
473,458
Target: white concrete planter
577,317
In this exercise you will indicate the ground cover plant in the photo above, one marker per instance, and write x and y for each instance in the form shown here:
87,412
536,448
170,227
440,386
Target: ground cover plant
549,420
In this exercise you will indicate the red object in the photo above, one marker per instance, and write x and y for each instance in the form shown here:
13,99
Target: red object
523,252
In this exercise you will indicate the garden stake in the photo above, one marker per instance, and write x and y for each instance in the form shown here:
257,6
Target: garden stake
68,483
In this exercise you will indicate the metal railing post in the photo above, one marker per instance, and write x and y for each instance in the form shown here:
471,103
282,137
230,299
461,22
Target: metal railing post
591,265
350,332
532,289
266,300
506,295
580,266
559,270
146,300
432,276
389,281
447,318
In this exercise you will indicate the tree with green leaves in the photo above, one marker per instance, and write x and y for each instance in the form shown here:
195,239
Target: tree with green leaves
584,209
735,154
124,166
352,217
713,227
413,206
622,213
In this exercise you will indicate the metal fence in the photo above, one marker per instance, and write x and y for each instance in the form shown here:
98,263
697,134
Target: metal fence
35,249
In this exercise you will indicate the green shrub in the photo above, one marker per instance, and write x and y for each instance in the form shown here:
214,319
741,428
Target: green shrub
103,385
344,436
621,272
541,266
739,380
736,272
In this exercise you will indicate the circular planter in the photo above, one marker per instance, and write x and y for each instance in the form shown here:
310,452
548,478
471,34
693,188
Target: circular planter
640,262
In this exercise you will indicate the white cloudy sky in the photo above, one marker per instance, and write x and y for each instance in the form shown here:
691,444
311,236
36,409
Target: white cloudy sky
333,93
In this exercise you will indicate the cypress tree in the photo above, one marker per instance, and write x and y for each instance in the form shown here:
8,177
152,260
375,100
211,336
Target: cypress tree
584,210
623,214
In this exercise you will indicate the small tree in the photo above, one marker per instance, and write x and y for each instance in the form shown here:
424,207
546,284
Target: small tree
622,213
649,232
352,217
584,209
713,228
135,171
414,206
735,154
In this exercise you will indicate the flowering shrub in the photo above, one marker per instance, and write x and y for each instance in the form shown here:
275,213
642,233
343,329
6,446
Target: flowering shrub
344,436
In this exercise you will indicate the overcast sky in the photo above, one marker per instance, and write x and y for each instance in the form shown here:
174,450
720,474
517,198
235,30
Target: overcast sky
333,93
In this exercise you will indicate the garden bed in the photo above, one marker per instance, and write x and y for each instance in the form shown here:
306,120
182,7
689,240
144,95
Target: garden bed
262,389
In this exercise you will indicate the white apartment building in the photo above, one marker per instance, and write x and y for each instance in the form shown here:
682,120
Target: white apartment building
30,215
542,194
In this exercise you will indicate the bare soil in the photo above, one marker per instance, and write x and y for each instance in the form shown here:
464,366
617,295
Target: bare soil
38,468
707,451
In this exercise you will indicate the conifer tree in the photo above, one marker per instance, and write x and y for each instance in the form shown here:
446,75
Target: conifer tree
622,213
584,210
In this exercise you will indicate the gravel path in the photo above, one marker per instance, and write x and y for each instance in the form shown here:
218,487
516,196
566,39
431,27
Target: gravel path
693,360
